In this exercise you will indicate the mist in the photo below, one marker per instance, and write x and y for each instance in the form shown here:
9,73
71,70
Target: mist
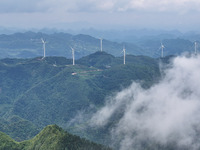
165,115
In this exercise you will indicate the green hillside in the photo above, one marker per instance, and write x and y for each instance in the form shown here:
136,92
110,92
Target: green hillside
18,128
6,143
37,92
51,137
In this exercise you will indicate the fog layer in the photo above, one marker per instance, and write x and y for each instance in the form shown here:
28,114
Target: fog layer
167,113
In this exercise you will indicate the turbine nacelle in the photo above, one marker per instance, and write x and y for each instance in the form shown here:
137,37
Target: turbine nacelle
43,41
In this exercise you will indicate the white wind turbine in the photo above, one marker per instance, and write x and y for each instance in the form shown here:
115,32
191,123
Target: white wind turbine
162,48
73,56
124,50
44,47
101,44
195,48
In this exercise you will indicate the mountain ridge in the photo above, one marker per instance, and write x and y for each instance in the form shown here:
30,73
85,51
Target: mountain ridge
51,137
29,45
52,90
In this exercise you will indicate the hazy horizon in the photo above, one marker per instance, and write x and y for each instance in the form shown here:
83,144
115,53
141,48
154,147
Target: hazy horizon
102,15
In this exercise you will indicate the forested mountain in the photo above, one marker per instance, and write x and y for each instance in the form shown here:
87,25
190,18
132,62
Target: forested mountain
51,137
37,92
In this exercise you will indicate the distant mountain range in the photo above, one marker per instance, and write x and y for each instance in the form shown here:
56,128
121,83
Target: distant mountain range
29,45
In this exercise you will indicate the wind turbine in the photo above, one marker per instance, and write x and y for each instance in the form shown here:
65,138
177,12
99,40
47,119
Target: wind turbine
195,48
101,44
162,48
44,46
124,50
73,56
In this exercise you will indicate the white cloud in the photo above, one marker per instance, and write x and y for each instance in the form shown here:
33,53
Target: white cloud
168,14
130,5
168,112
99,5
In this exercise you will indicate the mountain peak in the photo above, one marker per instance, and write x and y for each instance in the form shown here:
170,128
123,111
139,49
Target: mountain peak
97,59
51,137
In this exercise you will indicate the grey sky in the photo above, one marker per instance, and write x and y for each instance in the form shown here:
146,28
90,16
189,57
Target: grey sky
167,14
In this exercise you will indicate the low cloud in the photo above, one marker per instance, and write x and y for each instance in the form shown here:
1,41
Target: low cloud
167,114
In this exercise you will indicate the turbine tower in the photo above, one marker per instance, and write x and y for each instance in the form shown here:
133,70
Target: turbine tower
44,46
162,48
73,56
124,50
101,44
195,48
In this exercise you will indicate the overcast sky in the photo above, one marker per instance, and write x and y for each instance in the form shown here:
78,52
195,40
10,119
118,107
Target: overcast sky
162,14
